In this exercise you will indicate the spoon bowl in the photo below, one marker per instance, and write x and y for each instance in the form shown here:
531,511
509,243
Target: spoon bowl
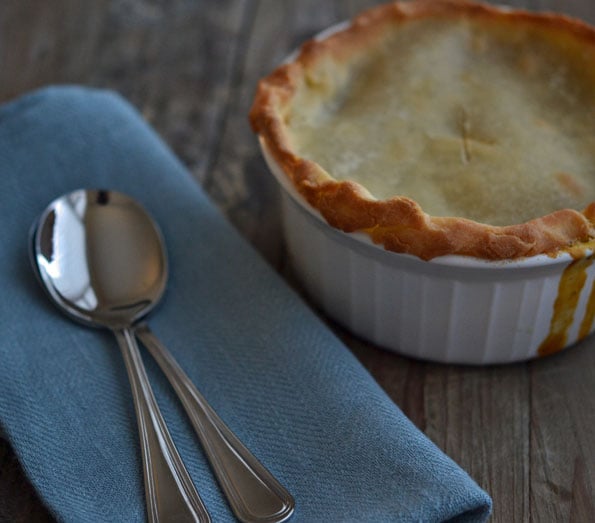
100,257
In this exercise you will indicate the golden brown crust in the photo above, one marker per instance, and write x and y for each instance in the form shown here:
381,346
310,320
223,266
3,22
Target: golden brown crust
399,223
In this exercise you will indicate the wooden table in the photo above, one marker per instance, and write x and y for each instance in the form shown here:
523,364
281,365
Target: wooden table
522,431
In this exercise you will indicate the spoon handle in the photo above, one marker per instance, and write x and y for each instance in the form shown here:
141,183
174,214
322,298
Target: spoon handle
169,491
253,493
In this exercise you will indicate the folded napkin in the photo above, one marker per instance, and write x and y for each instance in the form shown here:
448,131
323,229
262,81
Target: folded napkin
279,378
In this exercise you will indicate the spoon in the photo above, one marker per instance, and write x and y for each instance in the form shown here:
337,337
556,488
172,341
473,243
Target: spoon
102,260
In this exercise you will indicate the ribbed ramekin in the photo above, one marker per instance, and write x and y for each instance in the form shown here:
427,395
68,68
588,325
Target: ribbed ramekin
451,309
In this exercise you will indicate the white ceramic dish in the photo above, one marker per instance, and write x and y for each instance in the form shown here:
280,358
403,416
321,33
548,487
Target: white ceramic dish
452,309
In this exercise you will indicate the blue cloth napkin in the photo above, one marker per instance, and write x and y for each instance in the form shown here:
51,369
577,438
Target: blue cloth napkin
278,377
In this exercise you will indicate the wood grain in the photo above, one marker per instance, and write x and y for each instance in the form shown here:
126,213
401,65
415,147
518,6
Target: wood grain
191,66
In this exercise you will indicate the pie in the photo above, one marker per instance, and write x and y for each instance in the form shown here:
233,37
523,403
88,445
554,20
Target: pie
442,127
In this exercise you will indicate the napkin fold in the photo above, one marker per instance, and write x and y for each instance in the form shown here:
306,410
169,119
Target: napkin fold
278,377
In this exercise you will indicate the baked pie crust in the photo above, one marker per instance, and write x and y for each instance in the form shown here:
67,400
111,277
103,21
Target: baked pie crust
442,127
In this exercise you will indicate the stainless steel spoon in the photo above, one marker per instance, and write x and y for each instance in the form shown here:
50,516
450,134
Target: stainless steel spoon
102,260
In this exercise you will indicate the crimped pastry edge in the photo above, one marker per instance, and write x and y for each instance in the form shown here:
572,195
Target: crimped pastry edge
399,224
